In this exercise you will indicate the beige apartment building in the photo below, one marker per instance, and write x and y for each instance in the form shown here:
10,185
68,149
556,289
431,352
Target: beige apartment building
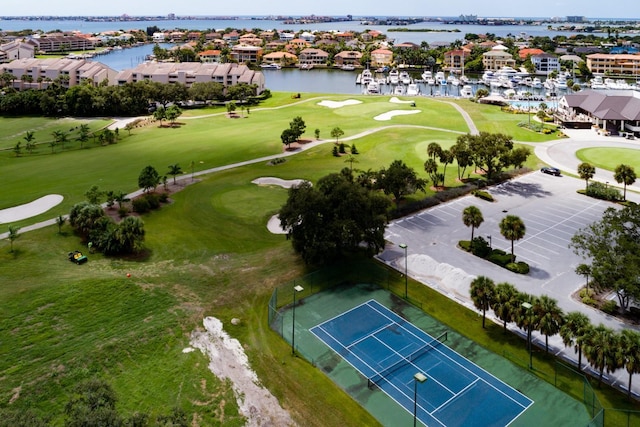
41,72
622,64
188,73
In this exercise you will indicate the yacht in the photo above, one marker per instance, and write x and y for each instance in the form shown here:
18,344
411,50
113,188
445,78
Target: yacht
536,83
271,66
394,78
306,66
597,83
426,76
373,88
413,90
466,91
348,67
399,90
440,78
366,77
404,77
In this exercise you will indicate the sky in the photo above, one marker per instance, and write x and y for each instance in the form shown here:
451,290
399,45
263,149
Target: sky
491,8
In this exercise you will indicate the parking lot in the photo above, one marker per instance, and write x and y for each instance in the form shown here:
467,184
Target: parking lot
552,212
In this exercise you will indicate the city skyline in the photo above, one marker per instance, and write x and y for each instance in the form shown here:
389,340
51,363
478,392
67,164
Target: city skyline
543,8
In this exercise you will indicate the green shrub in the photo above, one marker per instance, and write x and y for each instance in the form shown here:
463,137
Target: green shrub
518,267
480,247
163,197
589,301
465,245
484,195
584,293
602,191
153,199
500,259
140,205
609,307
123,211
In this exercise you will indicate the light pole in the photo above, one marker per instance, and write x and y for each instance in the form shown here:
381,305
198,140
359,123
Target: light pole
527,306
418,377
296,289
404,246
489,237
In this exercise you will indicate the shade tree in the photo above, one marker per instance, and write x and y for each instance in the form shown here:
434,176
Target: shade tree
512,228
399,180
482,292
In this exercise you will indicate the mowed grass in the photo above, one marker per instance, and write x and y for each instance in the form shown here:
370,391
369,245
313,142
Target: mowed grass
610,158
208,253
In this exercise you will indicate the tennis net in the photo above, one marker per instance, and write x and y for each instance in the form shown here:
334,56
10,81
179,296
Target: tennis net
384,373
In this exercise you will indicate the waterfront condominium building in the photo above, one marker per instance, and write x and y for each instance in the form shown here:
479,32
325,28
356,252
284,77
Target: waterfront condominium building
188,73
623,64
31,73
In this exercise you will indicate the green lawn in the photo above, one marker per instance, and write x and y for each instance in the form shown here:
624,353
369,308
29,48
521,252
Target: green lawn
610,158
208,253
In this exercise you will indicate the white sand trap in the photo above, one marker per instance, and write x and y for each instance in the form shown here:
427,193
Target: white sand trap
284,183
274,225
37,207
390,114
396,100
338,104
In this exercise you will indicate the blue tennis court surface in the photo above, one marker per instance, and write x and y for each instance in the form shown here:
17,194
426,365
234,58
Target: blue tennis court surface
388,350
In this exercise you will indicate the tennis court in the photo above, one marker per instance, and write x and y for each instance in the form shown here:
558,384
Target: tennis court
389,351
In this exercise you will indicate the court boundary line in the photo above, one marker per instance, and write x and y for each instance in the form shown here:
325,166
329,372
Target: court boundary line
375,305
467,369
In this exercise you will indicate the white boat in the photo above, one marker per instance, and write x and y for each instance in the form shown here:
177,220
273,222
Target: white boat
348,67
404,78
426,75
271,66
440,78
464,80
536,83
373,88
466,91
413,90
394,77
398,90
306,66
366,77
561,82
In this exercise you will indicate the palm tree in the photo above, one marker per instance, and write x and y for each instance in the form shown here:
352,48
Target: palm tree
512,228
472,217
599,347
630,350
83,134
550,317
504,302
174,170
586,172
433,150
584,270
28,138
13,235
574,332
526,318
624,174
446,157
482,293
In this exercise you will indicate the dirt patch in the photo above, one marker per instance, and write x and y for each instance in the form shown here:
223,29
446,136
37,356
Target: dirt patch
228,360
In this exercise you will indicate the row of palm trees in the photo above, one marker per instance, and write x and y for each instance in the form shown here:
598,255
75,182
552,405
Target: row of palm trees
623,174
602,346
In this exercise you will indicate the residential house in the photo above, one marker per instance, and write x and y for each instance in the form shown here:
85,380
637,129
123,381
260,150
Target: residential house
307,36
244,53
231,38
62,43
497,58
210,56
344,37
407,46
212,36
281,58
313,56
268,35
348,57
251,39
298,44
454,60
526,52
381,58
545,63
159,37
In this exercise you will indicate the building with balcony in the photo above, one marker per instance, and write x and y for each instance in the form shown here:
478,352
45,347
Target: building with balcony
497,58
31,73
545,63
623,64
381,58
244,53
313,57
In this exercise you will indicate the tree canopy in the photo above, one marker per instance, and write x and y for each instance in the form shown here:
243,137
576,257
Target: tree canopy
333,218
613,247
399,179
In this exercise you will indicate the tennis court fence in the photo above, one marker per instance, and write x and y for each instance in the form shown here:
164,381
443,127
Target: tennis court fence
384,373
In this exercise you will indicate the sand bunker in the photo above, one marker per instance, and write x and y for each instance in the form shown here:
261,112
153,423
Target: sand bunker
338,104
396,100
37,207
284,183
390,114
274,225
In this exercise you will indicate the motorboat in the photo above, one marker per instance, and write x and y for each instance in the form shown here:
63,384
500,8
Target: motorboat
306,66
366,77
398,90
440,78
404,77
271,66
348,67
597,83
426,75
413,90
466,91
373,88
394,77
536,83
